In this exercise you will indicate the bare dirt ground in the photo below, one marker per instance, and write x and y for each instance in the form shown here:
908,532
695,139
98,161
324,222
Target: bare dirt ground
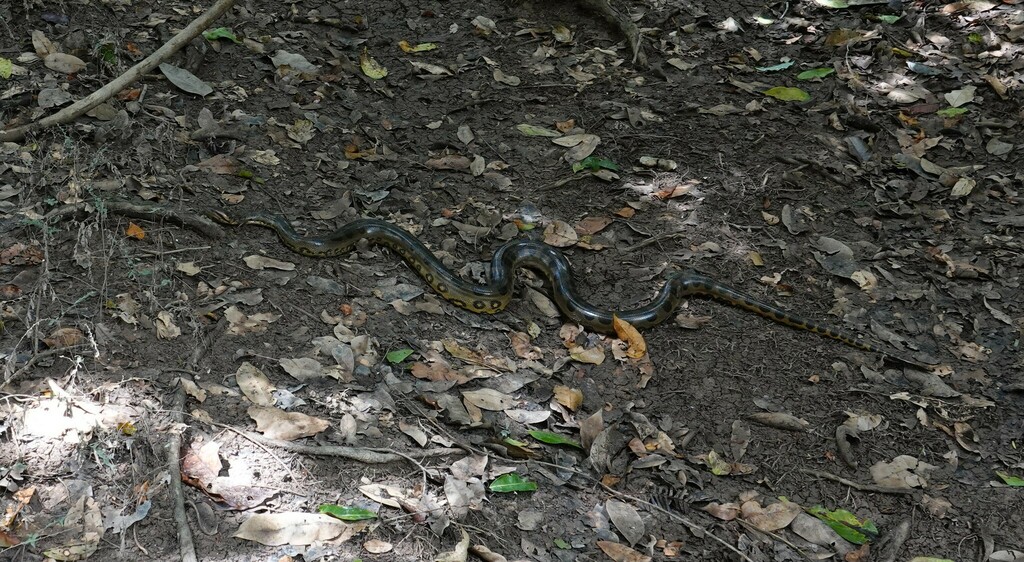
856,165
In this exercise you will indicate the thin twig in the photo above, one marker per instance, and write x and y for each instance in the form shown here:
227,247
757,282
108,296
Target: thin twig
654,240
35,358
855,485
368,455
186,547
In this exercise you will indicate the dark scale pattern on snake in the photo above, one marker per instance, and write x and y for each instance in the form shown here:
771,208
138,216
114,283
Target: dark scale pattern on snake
495,295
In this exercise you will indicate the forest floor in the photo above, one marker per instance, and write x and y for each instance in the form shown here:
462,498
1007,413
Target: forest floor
858,166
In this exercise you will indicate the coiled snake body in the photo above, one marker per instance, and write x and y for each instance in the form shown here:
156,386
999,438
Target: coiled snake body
495,295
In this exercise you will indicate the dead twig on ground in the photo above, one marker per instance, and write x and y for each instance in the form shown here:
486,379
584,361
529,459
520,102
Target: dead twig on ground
368,455
186,546
80,107
188,219
857,486
34,359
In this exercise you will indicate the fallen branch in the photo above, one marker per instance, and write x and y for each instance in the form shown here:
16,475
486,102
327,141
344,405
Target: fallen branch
186,546
80,107
189,219
360,454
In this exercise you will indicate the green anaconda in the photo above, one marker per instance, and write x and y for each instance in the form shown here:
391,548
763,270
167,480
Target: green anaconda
495,295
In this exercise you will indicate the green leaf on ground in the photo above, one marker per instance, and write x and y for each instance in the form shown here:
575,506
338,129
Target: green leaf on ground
398,355
1010,480
221,33
593,163
512,483
6,68
553,438
815,73
889,19
951,112
847,524
787,94
346,513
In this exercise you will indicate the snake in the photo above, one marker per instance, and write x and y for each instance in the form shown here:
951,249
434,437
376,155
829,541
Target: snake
494,295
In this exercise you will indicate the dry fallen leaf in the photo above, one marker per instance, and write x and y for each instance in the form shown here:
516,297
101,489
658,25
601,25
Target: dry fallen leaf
254,384
165,327
489,399
288,426
771,518
560,234
627,333
134,231
626,520
294,528
64,337
621,553
571,398
593,355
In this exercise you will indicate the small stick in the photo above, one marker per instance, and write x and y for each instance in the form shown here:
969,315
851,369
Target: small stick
855,485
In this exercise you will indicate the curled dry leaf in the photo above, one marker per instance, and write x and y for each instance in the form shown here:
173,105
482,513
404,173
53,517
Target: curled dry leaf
621,553
489,399
242,324
259,263
42,44
629,334
459,554
303,368
779,420
448,162
560,234
592,225
771,518
134,231
528,417
542,302
294,528
723,511
64,337
414,432
254,384
904,471
571,398
376,546
63,62
165,327
593,355
288,426
523,348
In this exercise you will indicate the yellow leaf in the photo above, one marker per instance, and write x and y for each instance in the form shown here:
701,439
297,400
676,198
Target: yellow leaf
127,428
135,231
787,94
371,67
627,333
571,398
417,48
755,258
